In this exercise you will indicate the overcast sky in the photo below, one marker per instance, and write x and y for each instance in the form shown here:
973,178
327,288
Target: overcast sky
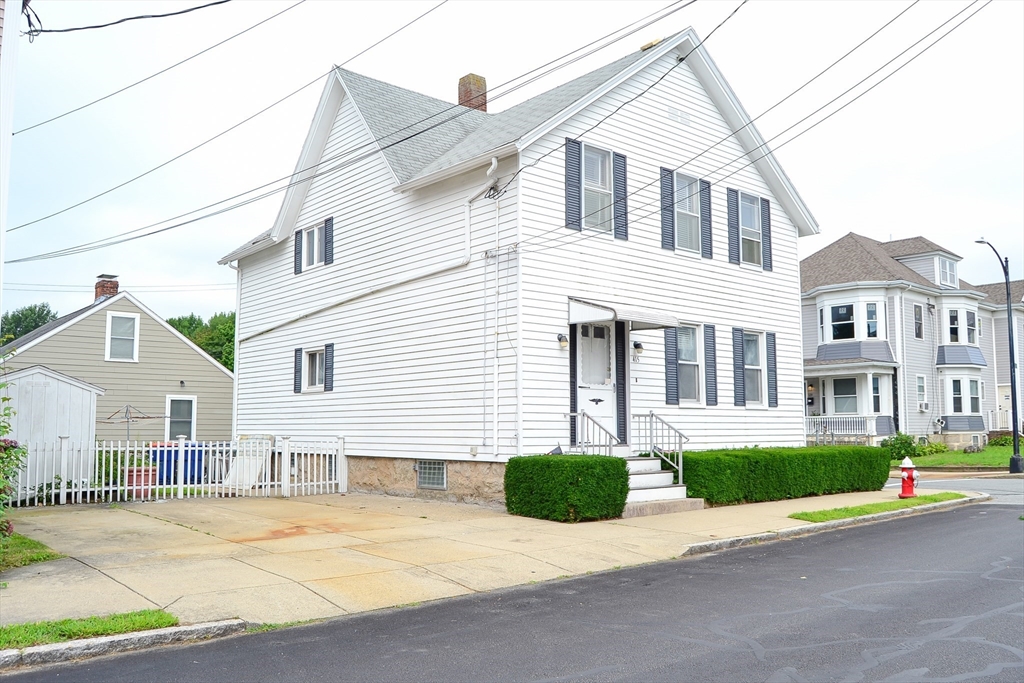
937,150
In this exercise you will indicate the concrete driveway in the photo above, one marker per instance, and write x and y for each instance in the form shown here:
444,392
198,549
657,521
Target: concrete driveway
275,560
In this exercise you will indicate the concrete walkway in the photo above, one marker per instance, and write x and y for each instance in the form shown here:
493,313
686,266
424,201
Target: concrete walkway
275,560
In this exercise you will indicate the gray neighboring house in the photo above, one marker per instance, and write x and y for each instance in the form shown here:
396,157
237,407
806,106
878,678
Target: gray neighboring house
140,361
894,340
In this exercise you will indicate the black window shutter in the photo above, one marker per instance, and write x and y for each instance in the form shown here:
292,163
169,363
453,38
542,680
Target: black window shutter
329,241
619,195
622,417
705,219
573,184
297,375
773,381
329,367
739,388
671,366
733,207
668,210
572,385
298,252
710,367
766,234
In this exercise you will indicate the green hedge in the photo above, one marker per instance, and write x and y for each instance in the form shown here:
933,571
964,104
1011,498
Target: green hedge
566,488
753,475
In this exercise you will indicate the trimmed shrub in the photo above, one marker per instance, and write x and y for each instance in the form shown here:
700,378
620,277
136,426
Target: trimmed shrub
566,488
900,446
753,475
1002,440
932,448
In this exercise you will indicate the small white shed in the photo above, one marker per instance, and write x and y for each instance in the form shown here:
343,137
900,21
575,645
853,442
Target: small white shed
49,404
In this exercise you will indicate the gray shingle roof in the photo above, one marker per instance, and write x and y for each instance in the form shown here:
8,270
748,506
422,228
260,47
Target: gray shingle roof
854,258
24,339
913,245
265,235
996,291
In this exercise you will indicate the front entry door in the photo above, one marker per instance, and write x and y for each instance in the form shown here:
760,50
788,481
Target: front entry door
596,372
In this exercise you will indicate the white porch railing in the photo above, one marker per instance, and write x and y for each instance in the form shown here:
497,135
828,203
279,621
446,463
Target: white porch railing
65,472
653,435
825,427
591,437
998,420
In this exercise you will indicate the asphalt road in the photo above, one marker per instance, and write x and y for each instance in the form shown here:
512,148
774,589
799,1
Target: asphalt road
1003,491
936,597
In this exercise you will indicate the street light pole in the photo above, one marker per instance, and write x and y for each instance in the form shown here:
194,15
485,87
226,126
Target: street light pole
1016,463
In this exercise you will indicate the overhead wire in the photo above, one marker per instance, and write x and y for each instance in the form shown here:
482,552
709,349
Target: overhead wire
33,32
129,235
154,75
376,141
579,238
733,133
223,132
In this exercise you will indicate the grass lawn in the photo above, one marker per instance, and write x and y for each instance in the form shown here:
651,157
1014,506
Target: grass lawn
43,632
872,508
18,551
993,456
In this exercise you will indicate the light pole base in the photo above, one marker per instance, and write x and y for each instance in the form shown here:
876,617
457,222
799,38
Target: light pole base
1016,464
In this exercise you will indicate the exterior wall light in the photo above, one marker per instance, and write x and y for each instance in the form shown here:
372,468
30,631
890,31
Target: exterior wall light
563,341
638,348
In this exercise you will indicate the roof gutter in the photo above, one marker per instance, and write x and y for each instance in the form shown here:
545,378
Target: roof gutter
461,167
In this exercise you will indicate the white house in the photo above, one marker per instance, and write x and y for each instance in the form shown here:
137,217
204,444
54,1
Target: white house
894,340
447,288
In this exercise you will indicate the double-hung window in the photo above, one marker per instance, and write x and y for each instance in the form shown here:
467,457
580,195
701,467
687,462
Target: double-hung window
844,395
876,395
922,393
315,364
821,325
122,342
753,367
687,203
958,396
750,229
975,396
972,325
947,272
315,245
872,319
689,364
843,322
918,321
954,327
597,188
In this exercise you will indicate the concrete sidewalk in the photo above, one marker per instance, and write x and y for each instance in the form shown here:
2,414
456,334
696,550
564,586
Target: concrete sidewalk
275,560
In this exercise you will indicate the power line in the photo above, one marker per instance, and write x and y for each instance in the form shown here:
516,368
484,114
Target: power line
162,71
751,121
124,237
224,132
33,32
811,127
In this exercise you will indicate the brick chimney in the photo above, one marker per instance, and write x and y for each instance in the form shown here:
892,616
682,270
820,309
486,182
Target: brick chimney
473,92
106,286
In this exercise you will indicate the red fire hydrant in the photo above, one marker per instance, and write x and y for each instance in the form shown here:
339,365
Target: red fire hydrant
910,477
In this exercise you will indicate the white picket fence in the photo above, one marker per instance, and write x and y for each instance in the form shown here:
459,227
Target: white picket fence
120,471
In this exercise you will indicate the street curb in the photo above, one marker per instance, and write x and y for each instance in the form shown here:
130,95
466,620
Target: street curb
125,642
813,528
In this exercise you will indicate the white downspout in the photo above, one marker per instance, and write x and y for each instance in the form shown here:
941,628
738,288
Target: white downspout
234,370
497,291
491,180
519,316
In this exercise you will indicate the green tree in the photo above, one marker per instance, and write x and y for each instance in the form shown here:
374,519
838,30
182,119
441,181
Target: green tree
215,336
23,320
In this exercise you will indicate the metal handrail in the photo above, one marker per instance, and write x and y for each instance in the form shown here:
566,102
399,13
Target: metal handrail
591,436
660,438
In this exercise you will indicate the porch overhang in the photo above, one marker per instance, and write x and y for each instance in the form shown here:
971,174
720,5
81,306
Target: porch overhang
590,311
849,366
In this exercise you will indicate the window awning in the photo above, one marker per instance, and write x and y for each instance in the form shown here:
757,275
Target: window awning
589,311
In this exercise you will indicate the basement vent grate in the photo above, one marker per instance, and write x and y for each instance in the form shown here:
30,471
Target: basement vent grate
431,474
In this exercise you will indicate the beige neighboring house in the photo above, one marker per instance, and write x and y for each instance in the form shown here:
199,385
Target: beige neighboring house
140,361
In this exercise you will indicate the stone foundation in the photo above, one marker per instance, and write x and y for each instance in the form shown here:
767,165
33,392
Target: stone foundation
468,482
957,441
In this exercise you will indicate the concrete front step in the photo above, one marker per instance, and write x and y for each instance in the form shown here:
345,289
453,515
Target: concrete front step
647,480
646,495
643,464
661,507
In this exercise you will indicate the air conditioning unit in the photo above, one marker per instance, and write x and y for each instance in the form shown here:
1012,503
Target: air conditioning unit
922,407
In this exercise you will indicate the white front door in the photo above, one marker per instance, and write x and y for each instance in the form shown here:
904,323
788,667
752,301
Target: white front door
595,373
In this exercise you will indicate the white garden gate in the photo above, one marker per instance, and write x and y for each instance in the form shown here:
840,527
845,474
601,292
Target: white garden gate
63,472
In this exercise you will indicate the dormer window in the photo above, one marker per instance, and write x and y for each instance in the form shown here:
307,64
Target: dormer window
947,272
842,322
